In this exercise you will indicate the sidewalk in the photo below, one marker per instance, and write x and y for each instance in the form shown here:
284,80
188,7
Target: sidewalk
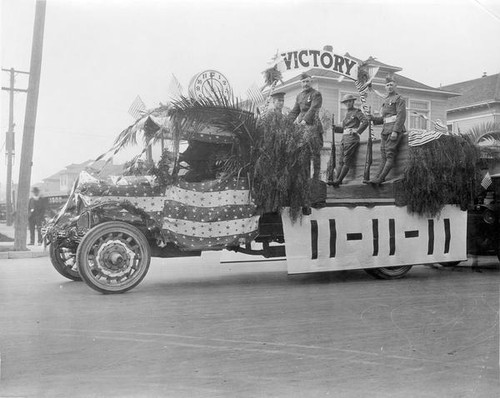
7,248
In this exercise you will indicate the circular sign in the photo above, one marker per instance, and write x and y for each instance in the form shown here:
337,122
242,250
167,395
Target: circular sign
210,84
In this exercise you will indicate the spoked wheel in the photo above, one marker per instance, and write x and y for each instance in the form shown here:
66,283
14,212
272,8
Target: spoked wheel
63,258
389,272
113,257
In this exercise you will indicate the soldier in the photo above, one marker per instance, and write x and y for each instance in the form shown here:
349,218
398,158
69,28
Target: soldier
393,117
278,100
354,123
305,112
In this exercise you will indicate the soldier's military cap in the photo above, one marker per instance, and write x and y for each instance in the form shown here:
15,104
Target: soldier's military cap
390,78
348,97
305,76
278,95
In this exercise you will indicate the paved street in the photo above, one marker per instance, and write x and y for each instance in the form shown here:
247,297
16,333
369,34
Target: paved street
198,328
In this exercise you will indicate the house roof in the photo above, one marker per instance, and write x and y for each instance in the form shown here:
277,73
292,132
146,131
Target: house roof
475,92
103,168
375,61
401,80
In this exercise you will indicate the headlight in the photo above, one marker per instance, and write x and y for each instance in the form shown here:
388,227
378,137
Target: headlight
489,217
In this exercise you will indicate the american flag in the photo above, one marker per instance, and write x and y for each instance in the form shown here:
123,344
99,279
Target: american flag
137,108
255,95
212,214
364,85
487,181
174,87
422,137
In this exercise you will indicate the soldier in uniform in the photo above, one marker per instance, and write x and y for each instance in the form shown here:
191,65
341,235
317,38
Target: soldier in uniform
393,117
305,112
278,101
354,123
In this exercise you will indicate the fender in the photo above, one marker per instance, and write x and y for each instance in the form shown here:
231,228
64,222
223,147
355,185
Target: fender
123,211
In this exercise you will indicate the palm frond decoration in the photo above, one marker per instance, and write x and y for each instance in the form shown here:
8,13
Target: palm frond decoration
443,171
487,129
191,117
487,137
152,127
272,76
280,172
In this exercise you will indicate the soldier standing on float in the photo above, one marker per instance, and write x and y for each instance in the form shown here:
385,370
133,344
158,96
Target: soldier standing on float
393,117
278,100
305,112
354,123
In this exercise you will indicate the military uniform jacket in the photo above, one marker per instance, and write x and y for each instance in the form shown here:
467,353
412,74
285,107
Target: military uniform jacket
355,120
394,107
307,106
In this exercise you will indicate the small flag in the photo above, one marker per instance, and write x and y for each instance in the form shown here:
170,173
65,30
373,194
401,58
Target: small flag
422,137
174,88
255,94
486,182
138,108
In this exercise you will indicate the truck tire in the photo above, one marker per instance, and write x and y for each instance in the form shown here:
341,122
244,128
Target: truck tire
113,257
450,264
389,272
63,258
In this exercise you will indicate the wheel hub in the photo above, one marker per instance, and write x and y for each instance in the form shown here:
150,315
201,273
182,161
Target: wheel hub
114,258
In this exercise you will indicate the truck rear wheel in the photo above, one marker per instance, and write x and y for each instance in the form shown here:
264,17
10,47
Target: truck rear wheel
389,272
450,263
113,257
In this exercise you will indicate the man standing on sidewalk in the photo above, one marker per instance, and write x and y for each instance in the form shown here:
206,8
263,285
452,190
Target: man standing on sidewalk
36,208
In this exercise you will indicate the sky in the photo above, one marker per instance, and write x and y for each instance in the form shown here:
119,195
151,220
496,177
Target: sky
99,55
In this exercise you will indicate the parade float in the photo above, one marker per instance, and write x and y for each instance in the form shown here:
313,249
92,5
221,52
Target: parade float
236,179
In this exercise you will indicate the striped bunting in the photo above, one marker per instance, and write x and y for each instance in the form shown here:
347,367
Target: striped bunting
209,215
422,137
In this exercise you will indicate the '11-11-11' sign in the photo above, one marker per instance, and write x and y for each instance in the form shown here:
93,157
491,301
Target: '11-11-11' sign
339,238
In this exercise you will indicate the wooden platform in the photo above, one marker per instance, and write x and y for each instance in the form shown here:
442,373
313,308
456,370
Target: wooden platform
353,190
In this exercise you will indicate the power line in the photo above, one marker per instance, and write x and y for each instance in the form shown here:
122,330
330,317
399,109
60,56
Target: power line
10,140
487,10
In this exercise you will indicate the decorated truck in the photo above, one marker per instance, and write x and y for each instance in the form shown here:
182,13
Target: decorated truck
232,179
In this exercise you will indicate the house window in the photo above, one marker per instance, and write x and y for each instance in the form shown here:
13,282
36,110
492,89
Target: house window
418,112
342,108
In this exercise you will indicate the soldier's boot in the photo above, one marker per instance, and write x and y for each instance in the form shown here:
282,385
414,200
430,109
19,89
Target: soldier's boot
380,178
340,177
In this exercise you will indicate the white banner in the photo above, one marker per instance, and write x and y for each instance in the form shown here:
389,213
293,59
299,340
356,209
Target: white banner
323,59
340,238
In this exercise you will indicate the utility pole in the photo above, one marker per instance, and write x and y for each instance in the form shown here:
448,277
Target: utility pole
21,224
10,140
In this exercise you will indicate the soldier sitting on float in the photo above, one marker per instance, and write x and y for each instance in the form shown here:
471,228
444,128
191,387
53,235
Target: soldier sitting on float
393,117
354,123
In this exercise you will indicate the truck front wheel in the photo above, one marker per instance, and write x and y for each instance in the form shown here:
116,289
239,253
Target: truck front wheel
113,257
63,258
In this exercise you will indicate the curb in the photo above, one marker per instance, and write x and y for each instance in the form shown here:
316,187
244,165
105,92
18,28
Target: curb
22,254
